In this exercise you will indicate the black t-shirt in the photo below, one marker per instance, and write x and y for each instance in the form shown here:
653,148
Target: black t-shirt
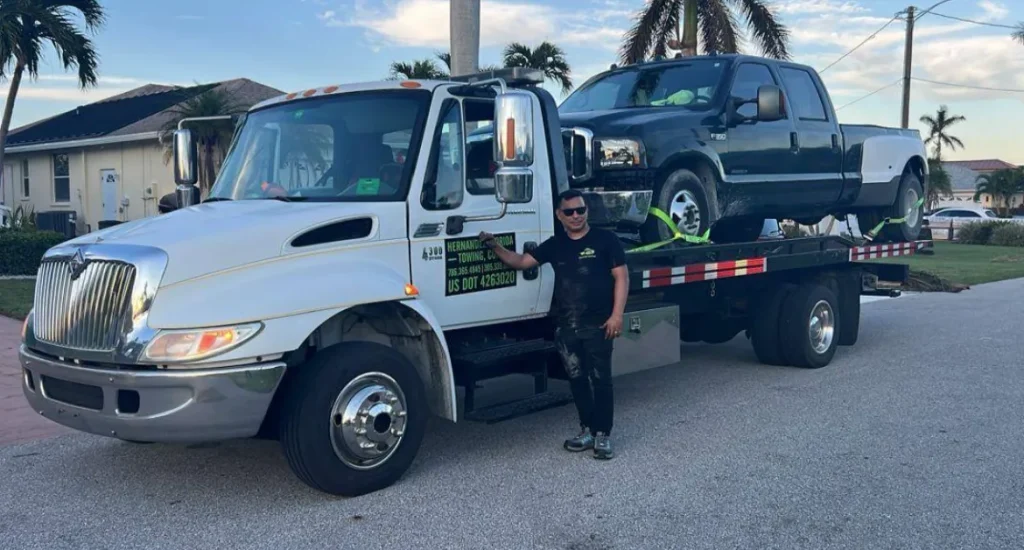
584,286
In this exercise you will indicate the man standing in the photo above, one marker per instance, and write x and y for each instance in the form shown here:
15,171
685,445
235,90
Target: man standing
591,285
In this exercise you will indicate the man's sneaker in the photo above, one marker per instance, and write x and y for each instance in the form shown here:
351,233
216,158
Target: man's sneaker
603,447
581,442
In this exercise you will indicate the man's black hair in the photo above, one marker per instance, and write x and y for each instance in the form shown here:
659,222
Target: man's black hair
568,195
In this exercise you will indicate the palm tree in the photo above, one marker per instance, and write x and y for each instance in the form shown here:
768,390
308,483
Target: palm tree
424,69
657,28
938,127
212,137
26,26
1002,184
939,184
546,57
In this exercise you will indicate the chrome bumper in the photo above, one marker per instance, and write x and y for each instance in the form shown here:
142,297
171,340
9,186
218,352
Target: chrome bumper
618,208
164,406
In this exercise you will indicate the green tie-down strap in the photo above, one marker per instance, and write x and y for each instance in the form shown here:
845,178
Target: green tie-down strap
870,235
676,234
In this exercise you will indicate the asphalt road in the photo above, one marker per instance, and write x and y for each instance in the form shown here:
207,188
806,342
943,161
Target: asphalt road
911,439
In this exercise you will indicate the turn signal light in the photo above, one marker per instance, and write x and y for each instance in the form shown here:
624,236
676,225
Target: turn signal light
411,290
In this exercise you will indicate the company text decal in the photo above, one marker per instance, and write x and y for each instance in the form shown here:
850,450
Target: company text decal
472,267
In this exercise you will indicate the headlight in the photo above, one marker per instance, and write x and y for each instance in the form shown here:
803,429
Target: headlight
175,346
619,153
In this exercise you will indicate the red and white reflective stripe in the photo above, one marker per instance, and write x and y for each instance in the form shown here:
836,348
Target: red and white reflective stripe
668,276
885,250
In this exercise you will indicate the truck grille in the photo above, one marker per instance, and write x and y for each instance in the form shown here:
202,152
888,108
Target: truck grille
84,313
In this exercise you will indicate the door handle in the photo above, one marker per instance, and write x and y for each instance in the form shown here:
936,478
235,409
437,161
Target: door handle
530,274
794,142
835,142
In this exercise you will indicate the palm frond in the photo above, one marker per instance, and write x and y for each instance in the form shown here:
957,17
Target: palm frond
1018,34
768,32
640,38
718,26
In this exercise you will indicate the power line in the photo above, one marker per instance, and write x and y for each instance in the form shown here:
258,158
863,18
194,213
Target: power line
1013,90
890,85
855,48
976,22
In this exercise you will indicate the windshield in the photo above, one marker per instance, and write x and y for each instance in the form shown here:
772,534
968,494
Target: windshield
691,85
348,147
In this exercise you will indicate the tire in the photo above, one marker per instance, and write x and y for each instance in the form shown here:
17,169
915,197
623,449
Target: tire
683,197
908,192
794,326
313,435
764,327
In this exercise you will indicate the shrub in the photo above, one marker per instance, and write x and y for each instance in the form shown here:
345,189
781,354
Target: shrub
1011,234
22,250
979,232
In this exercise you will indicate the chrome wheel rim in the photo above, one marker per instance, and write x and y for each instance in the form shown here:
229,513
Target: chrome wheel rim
821,326
912,214
685,212
368,420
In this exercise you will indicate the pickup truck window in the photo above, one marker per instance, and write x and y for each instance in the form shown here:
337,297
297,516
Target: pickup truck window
349,147
803,94
442,189
749,77
691,85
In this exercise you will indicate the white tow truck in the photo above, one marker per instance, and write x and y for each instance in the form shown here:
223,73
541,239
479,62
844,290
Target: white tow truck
331,291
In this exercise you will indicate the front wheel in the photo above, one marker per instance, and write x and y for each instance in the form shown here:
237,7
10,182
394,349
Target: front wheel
683,198
354,419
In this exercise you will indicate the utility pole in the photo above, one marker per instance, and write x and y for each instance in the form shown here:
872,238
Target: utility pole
908,54
464,27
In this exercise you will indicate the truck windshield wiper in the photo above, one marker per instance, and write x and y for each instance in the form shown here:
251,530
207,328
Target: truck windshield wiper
215,199
289,199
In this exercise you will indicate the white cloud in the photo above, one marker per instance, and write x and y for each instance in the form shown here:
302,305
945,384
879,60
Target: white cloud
818,6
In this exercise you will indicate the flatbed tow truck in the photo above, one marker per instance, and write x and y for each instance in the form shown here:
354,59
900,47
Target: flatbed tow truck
337,312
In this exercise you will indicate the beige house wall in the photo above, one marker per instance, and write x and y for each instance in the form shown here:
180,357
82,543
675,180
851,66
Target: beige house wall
142,177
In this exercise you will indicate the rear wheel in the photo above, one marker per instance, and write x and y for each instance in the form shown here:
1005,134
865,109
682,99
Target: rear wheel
354,419
907,195
764,326
809,326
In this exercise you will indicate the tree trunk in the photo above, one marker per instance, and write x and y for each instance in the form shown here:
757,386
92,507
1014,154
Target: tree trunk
5,126
464,22
689,42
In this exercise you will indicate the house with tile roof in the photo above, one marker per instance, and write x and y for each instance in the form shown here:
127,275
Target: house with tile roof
963,176
104,160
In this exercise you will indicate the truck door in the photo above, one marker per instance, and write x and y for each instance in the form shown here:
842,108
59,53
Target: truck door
761,156
820,146
463,282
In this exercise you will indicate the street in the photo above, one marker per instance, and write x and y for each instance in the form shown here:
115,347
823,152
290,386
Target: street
910,439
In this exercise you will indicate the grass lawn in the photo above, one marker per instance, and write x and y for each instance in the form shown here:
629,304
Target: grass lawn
967,264
16,297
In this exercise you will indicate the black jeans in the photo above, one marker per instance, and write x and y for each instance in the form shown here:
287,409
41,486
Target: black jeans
587,357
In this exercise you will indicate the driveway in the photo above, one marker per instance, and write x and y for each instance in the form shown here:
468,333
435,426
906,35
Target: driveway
18,423
911,439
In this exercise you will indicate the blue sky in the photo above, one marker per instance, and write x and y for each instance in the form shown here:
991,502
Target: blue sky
293,44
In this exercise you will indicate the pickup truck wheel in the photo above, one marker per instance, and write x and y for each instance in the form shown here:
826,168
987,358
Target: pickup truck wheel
909,192
354,419
683,198
809,326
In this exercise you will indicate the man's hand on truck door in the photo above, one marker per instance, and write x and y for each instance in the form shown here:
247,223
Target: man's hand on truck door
507,257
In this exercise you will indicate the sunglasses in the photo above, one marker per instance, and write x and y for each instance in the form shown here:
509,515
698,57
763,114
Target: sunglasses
579,210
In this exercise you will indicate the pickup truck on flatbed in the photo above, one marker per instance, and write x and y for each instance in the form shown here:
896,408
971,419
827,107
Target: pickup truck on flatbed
726,141
332,293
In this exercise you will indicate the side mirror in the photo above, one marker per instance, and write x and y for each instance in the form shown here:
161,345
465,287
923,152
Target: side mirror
769,103
513,129
186,167
513,185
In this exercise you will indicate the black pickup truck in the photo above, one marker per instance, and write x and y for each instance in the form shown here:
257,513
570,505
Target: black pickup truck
727,141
